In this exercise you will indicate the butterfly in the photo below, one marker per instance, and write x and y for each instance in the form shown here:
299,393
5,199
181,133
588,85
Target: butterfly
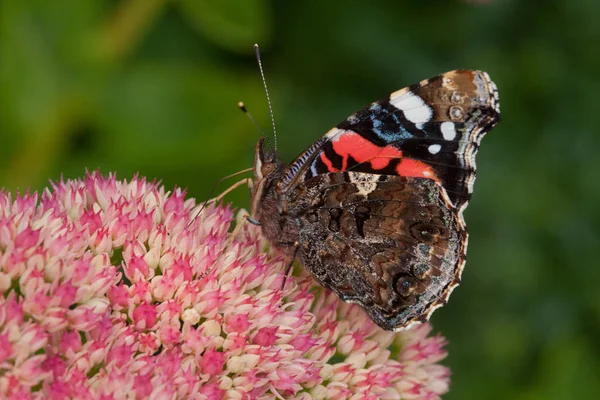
374,209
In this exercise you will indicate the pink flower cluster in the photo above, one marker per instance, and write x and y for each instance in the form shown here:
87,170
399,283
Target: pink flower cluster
103,295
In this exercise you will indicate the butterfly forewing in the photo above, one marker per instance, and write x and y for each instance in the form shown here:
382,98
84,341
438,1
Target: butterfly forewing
431,129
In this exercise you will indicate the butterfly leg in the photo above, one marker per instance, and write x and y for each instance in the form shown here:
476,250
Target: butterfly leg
231,188
288,268
246,181
253,221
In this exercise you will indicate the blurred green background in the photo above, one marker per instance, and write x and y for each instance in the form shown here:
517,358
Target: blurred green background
152,86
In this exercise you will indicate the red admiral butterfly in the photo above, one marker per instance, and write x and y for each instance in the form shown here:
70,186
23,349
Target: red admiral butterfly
374,209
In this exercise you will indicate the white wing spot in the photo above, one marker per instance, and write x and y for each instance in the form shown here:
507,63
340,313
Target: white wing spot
448,130
435,148
406,101
418,115
414,108
365,183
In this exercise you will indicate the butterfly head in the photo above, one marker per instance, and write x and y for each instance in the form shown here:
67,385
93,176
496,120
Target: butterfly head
267,168
266,161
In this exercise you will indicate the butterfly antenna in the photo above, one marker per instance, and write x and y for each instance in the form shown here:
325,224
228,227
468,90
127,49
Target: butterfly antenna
262,74
242,107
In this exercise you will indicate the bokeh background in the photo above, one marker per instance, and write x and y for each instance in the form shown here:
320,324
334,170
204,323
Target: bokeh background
151,86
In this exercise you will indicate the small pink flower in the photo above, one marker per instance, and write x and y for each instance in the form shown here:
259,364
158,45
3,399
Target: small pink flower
169,336
69,343
212,362
144,316
27,239
64,295
112,289
212,391
265,336
118,296
6,348
237,323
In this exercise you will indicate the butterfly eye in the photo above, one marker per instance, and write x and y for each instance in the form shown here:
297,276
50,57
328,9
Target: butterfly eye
456,97
456,112
405,285
426,233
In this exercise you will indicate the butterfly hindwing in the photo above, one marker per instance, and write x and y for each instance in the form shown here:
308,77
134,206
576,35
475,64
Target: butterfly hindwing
391,244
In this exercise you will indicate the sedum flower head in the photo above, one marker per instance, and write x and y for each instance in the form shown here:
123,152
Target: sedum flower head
108,292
